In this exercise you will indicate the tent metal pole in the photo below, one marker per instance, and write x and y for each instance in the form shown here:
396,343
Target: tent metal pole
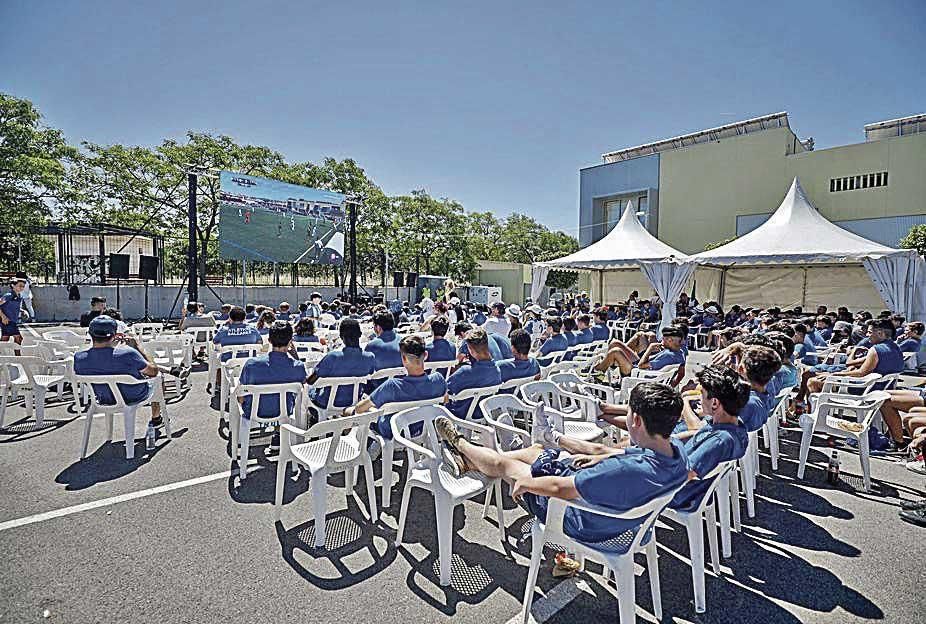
723,286
804,290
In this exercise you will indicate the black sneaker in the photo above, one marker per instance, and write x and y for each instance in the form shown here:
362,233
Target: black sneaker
895,448
180,372
216,402
275,443
914,516
913,505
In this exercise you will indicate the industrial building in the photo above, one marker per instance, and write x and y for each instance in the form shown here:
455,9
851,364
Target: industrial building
709,186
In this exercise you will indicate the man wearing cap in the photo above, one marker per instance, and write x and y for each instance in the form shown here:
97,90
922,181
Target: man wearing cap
10,307
497,323
658,355
106,357
97,304
555,341
315,306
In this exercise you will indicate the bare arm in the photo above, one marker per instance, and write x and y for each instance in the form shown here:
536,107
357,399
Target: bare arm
867,365
362,407
555,487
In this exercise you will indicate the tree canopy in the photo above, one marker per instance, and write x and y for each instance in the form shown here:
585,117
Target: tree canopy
43,177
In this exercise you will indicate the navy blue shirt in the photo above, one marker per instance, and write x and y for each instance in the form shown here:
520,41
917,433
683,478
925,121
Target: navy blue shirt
441,350
600,332
479,318
273,368
585,336
499,348
755,412
119,360
236,334
307,338
10,304
910,345
666,357
802,349
554,344
407,388
518,369
711,445
890,358
477,374
348,362
385,349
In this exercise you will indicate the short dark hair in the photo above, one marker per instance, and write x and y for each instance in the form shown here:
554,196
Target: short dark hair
412,345
236,314
461,328
601,314
725,385
439,325
305,327
384,320
762,340
520,341
761,364
192,306
672,331
584,318
249,308
799,328
280,334
555,322
113,313
569,324
658,405
825,319
917,327
883,325
349,329
225,306
782,344
96,300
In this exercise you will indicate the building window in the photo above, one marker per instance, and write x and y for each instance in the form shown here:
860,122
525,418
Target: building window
861,181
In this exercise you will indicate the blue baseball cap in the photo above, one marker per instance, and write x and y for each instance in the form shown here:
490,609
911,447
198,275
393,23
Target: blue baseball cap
103,327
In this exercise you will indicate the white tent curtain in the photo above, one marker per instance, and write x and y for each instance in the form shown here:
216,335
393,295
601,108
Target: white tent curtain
539,274
669,279
900,280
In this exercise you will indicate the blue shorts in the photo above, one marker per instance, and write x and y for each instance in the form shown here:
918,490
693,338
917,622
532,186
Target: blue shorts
547,464
828,368
10,329
383,427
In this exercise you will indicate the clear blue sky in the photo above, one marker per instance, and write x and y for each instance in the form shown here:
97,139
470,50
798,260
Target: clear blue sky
494,104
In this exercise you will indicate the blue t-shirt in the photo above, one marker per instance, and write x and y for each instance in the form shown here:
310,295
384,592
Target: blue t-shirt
312,338
518,369
554,344
236,334
890,358
786,376
620,483
10,304
585,336
499,348
711,445
441,350
348,362
476,374
910,345
755,412
273,368
600,332
804,352
666,357
572,338
250,316
407,388
479,318
220,317
821,337
385,348
119,360
284,316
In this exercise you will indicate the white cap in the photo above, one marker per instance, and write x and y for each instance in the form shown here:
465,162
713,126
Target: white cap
514,310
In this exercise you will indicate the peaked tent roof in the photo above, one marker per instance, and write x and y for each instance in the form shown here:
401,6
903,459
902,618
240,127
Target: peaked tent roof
625,245
796,234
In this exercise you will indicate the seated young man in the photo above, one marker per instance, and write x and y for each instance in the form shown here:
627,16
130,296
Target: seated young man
823,331
757,365
285,312
349,361
584,335
193,317
570,331
440,349
555,341
107,357
222,315
656,356
236,332
911,339
723,437
618,479
275,367
522,364
385,347
804,348
416,385
600,330
499,346
480,372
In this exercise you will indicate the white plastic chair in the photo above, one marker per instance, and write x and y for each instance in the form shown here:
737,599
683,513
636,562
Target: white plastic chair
616,554
171,350
640,375
322,456
241,427
228,373
119,407
476,394
427,473
770,428
333,384
145,331
825,419
32,382
388,446
68,337
440,366
574,415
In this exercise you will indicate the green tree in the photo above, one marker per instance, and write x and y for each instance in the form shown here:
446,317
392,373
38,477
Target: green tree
717,244
34,162
915,239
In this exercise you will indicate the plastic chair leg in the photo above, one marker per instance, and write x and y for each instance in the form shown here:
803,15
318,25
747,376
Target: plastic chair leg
536,554
403,512
773,440
626,592
864,459
710,517
371,489
498,508
806,436
652,565
128,422
319,506
387,458
282,470
696,548
749,485
723,510
109,426
3,402
444,512
89,422
244,439
735,500
38,395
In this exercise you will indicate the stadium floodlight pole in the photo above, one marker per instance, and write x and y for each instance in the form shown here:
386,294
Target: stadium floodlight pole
192,279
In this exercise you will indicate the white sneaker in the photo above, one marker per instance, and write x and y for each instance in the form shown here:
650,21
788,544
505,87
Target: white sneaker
507,440
917,466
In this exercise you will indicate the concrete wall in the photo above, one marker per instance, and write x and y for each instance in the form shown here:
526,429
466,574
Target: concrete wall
51,302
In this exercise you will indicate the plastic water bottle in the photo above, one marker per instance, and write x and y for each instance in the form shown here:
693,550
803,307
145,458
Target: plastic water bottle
150,436
832,470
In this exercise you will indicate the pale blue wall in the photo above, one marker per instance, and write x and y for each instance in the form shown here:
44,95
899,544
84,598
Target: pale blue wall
601,181
885,230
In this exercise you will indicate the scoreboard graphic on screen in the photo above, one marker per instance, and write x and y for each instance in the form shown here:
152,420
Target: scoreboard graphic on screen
271,221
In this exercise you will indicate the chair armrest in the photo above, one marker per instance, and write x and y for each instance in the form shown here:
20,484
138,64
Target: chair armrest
465,424
293,430
398,438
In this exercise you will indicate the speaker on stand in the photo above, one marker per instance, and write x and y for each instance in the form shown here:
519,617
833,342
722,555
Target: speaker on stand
119,269
148,270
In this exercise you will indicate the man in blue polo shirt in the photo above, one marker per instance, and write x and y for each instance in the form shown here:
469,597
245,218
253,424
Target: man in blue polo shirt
804,348
276,367
415,385
349,361
721,437
585,334
440,349
499,346
555,343
658,355
250,316
481,372
522,365
236,332
600,330
10,308
883,357
911,339
108,357
284,312
757,366
385,347
618,479
222,315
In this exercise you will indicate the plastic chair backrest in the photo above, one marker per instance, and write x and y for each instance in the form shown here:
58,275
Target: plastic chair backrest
387,373
333,429
476,394
257,391
112,382
335,383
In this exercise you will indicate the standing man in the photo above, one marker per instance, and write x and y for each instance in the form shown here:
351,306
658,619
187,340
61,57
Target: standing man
27,295
497,323
10,307
315,306
97,305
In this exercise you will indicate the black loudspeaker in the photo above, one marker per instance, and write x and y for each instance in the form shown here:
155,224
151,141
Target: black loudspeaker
412,279
148,267
397,281
119,266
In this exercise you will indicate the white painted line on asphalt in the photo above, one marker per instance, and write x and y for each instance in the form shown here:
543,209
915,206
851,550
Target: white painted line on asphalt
544,608
105,502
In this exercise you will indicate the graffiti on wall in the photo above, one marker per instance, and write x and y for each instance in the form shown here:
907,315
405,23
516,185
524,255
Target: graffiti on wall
85,269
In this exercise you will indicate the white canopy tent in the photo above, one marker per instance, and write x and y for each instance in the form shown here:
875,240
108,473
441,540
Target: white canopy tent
628,245
797,235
